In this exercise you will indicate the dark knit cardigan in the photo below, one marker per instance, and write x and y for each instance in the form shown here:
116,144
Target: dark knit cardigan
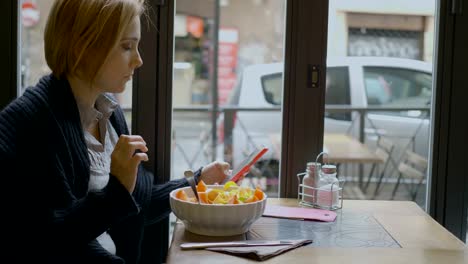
50,215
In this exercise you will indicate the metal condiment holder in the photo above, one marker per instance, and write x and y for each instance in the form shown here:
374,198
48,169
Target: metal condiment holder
312,198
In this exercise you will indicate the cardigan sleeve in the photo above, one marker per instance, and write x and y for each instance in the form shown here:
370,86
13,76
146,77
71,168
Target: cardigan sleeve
86,218
159,206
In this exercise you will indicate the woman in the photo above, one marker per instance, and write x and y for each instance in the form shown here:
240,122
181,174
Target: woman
64,143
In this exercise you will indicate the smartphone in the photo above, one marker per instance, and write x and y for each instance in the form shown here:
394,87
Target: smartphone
245,165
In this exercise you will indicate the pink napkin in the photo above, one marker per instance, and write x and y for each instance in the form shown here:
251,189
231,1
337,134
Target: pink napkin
260,253
299,213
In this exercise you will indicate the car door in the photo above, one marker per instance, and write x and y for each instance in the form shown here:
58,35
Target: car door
398,87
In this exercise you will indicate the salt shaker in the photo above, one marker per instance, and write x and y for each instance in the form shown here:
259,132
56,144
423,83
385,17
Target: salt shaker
310,181
328,187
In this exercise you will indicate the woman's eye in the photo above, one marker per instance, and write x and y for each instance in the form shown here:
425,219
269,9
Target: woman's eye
127,46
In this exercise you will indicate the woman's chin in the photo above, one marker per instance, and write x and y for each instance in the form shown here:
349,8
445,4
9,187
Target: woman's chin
120,88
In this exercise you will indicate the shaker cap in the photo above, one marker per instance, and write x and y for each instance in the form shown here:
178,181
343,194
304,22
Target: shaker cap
313,165
329,169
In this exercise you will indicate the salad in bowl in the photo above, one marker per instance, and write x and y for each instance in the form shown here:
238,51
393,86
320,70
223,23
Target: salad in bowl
223,210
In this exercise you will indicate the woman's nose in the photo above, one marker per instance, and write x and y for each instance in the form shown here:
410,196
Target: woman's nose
137,62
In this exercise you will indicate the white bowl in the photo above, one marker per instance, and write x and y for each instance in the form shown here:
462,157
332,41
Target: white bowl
216,219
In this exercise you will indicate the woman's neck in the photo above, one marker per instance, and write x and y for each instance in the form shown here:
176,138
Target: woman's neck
85,94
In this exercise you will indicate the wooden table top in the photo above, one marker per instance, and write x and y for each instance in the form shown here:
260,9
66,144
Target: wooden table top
341,148
346,149
418,237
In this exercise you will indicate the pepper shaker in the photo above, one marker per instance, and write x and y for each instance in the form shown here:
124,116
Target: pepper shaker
310,182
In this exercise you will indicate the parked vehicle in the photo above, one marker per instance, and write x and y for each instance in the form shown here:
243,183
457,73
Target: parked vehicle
351,81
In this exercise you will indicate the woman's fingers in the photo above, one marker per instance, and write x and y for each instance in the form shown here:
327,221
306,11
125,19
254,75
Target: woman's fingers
130,144
126,139
223,167
132,138
139,157
128,153
134,146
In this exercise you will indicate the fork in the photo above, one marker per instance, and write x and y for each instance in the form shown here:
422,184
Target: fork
191,180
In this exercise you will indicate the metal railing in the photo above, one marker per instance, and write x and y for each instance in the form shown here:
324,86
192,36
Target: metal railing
226,115
203,148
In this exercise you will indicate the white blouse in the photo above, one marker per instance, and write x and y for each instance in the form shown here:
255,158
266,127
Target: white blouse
100,151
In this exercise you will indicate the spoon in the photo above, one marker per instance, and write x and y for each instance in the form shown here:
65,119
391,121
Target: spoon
191,180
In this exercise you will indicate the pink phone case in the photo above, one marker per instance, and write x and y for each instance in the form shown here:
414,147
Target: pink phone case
247,163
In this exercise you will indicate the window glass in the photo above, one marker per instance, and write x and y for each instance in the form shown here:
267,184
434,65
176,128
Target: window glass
233,99
397,87
387,49
248,63
247,74
384,42
33,19
337,91
273,88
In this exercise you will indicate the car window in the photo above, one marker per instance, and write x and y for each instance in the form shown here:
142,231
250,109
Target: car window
337,91
272,85
397,87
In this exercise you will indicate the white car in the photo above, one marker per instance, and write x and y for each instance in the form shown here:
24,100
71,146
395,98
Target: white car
351,81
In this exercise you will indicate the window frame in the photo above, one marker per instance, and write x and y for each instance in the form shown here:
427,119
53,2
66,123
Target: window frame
303,104
151,110
9,14
447,197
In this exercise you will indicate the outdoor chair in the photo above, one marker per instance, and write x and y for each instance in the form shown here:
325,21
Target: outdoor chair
384,151
412,167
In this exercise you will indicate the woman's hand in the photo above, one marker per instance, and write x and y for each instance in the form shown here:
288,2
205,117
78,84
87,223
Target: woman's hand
128,153
215,172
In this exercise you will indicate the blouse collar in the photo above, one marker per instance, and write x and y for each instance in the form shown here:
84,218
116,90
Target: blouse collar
103,109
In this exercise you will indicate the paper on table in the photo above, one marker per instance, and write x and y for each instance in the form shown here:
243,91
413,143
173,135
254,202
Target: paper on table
261,253
299,213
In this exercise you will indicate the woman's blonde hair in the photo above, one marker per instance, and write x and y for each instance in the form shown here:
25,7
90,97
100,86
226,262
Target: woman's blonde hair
80,34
